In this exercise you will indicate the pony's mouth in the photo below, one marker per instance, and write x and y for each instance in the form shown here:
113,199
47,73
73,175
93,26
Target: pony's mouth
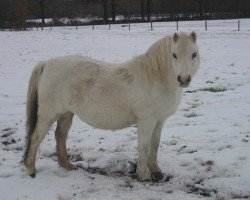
183,85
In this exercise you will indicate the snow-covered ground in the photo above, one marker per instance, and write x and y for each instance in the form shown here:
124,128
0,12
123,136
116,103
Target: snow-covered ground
205,146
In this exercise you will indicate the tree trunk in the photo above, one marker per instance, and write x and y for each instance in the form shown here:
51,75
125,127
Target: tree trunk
200,2
42,11
62,9
149,5
105,11
142,9
113,10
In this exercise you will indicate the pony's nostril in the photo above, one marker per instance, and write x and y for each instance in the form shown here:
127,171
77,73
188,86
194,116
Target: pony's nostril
189,79
179,79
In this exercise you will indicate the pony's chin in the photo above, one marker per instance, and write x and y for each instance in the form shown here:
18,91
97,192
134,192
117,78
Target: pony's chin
183,85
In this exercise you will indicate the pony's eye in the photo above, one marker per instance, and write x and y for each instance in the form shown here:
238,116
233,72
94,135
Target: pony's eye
194,55
174,56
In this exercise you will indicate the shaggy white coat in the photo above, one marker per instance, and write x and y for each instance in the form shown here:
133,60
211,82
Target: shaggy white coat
144,91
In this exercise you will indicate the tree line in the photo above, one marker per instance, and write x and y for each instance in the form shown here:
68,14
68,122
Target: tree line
15,13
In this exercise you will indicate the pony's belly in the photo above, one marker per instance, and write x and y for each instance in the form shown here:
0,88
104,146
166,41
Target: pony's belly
106,117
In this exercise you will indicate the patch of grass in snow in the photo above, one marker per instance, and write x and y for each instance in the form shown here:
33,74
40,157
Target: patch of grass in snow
191,115
214,89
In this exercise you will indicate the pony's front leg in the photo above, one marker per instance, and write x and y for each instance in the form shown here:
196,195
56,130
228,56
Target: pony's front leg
155,170
145,131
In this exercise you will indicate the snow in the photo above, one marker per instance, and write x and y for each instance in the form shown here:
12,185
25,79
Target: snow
204,147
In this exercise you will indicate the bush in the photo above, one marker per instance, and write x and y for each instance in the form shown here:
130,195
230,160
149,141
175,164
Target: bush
57,22
17,16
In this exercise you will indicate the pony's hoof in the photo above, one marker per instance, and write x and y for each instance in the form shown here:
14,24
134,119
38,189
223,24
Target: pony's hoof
157,176
68,166
33,175
31,171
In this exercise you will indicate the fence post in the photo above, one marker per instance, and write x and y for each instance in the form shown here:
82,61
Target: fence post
76,27
151,25
177,25
238,25
206,25
93,26
109,26
129,25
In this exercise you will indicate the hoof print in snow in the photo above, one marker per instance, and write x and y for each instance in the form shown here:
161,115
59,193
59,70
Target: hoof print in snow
240,196
7,132
77,158
200,190
229,146
96,170
13,141
191,115
244,140
129,184
192,151
184,149
208,163
132,172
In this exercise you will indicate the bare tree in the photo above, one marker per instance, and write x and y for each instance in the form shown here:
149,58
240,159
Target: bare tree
42,6
4,8
113,3
105,11
142,9
149,9
41,3
170,9
103,3
200,7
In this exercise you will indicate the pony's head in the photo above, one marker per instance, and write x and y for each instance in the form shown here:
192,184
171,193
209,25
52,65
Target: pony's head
185,57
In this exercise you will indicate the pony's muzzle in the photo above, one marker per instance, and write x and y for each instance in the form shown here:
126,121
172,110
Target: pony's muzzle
184,81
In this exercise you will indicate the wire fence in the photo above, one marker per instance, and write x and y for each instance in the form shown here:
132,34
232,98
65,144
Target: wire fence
223,25
228,25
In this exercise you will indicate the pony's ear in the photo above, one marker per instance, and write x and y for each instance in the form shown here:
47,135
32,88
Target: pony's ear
193,36
176,37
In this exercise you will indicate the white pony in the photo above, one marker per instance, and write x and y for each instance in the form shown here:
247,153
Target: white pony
144,91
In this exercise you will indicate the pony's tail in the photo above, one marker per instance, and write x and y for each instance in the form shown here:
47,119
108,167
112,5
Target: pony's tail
32,105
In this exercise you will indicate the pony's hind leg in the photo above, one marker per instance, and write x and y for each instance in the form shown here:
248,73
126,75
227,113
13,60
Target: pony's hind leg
41,129
62,129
